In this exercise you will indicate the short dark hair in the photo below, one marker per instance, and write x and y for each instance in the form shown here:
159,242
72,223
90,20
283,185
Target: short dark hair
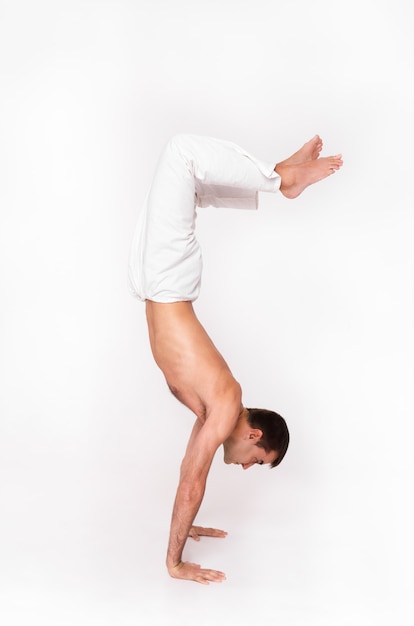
275,435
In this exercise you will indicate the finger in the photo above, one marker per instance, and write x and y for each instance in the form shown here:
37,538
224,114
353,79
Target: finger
213,575
194,533
211,532
207,580
193,571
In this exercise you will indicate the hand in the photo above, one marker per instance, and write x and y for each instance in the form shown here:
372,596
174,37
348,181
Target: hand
192,571
198,531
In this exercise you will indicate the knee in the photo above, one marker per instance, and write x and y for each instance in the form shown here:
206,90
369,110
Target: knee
180,148
179,142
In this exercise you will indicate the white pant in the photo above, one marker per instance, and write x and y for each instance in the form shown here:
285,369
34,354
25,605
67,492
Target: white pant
165,262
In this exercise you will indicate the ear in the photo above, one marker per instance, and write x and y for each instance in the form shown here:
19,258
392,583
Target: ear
255,434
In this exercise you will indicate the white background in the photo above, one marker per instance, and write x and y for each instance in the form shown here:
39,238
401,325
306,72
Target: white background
311,302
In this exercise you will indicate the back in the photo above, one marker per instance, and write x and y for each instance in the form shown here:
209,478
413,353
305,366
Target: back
194,369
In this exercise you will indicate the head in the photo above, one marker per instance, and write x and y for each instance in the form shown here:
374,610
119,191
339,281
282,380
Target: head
259,437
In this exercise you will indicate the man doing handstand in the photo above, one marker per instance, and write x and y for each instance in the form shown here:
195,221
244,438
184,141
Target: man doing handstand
165,271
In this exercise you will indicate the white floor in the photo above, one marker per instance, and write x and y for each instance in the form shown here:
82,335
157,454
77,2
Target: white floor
84,544
311,303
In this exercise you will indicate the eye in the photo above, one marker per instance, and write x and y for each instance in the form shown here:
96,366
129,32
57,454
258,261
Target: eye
258,462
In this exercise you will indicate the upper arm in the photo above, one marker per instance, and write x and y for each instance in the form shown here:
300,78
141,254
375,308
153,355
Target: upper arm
200,452
208,436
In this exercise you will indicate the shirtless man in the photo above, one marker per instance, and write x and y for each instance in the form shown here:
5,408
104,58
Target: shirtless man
165,271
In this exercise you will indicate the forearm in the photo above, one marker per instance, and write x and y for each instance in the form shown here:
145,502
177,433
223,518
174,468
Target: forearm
195,467
186,506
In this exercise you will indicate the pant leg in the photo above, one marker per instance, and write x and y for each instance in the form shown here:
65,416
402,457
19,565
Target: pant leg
165,262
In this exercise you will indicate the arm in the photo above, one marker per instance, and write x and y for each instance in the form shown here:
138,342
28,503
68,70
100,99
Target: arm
193,476
203,443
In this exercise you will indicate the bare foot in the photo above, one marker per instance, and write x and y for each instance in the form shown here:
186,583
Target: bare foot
296,177
308,152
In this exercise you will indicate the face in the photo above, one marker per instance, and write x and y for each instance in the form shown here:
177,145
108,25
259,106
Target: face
242,450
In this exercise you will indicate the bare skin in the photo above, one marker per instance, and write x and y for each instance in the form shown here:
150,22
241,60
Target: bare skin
308,152
200,378
305,168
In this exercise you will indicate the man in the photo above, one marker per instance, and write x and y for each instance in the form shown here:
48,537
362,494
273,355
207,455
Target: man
165,271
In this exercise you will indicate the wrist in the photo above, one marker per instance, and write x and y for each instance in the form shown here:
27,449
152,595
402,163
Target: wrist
173,566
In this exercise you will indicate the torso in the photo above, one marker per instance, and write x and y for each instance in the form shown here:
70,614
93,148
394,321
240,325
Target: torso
194,369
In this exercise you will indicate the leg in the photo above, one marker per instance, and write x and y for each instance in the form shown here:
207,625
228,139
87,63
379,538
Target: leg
305,168
165,263
308,152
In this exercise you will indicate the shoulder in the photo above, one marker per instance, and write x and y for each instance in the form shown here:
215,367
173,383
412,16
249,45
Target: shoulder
224,410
